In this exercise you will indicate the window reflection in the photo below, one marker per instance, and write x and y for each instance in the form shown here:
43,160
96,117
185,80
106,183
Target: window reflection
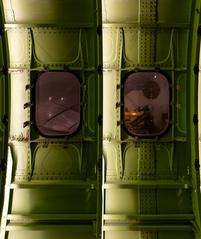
146,104
57,111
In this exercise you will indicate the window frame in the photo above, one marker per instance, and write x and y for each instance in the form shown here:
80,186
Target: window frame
33,96
145,136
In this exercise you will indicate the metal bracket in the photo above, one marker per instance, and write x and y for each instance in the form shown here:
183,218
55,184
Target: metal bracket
26,123
119,123
118,104
29,87
27,105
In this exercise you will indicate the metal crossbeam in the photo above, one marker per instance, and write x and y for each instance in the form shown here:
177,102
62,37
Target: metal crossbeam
47,227
149,183
151,217
75,184
147,227
50,217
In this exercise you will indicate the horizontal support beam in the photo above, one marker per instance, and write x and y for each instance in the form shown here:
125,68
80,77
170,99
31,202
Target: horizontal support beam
58,184
163,68
158,25
47,227
52,25
154,140
105,25
150,217
57,66
66,140
107,68
148,227
50,217
149,183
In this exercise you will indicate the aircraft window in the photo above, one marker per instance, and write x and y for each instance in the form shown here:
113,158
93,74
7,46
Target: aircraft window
57,110
146,104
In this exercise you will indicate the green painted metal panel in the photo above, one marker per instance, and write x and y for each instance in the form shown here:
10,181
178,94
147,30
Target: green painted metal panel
53,184
143,174
150,185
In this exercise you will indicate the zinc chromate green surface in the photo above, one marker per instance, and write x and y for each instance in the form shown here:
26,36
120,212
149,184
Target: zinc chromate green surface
151,186
53,185
146,188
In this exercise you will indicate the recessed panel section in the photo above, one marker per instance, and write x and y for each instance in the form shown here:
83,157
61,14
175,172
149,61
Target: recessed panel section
177,12
56,162
54,201
50,11
56,46
115,198
125,11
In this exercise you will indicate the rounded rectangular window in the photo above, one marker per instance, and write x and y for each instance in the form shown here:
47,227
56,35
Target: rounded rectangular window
57,103
146,104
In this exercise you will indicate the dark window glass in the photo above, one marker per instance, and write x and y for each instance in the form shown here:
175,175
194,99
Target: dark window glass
57,111
146,104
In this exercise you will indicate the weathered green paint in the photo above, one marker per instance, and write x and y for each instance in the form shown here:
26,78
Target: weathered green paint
147,178
66,188
52,184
